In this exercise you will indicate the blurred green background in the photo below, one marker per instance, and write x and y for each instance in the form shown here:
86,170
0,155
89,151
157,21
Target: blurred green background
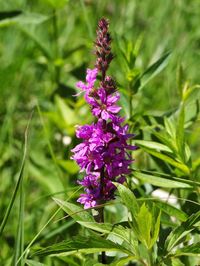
45,48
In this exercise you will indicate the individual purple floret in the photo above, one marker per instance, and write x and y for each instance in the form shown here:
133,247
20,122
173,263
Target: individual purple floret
103,153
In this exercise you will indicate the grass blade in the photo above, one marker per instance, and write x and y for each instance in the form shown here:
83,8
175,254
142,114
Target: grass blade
6,216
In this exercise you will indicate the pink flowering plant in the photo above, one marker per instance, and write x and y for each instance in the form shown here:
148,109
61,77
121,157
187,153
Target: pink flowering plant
156,216
103,155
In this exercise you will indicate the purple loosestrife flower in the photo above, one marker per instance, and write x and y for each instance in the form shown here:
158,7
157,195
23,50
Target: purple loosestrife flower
103,153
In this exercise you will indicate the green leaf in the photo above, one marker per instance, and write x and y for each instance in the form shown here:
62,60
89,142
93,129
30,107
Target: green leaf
123,261
180,141
180,79
107,228
76,212
31,18
7,22
155,225
66,112
128,198
176,262
82,244
179,233
153,145
154,69
22,19
19,244
160,182
69,166
9,14
57,4
43,48
171,210
191,94
149,225
170,127
169,160
191,250
13,197
34,263
144,221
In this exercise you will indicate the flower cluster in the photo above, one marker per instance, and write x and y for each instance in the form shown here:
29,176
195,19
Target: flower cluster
102,154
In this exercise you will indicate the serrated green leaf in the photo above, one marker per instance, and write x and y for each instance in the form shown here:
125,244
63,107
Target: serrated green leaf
160,182
76,212
179,233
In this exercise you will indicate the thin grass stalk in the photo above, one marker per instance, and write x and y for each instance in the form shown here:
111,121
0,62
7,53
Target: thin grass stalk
6,216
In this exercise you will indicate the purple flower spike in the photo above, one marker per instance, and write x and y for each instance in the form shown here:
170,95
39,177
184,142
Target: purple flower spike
103,154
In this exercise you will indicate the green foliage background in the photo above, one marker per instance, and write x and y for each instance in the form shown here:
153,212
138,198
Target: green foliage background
45,49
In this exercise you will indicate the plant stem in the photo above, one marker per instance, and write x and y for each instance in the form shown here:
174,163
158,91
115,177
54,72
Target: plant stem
56,46
150,257
130,101
100,219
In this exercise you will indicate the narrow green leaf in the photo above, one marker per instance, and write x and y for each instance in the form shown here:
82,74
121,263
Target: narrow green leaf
154,69
107,228
82,244
153,145
66,112
46,52
191,250
179,233
128,198
76,212
171,210
180,79
170,127
160,182
155,227
169,160
19,245
123,261
12,200
7,22
144,221
180,141
191,94
9,14
34,263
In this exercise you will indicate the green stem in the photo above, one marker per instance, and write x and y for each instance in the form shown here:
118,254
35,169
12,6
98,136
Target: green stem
150,257
56,46
130,101
100,219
